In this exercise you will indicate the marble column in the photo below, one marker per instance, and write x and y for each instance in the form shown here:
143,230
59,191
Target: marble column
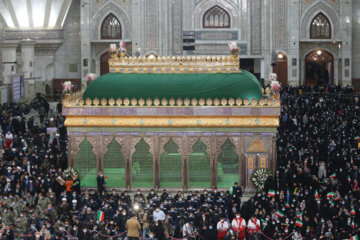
27,56
346,50
9,61
137,30
293,43
86,28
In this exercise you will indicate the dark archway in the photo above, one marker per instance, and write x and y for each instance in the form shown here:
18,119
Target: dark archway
319,68
104,64
281,68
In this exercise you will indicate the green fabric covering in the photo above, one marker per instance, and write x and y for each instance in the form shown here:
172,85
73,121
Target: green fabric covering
175,85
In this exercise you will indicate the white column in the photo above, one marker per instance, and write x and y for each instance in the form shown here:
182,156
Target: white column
294,37
262,68
336,71
346,49
8,58
137,23
355,49
85,40
268,38
27,56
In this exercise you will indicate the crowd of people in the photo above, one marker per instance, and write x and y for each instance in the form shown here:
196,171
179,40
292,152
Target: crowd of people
316,185
314,194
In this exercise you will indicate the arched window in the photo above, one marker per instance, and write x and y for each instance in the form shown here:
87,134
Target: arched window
320,27
111,28
216,17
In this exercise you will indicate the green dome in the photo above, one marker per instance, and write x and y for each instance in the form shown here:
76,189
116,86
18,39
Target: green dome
175,85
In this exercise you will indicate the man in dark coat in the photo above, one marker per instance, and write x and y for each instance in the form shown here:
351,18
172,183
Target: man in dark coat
211,233
100,183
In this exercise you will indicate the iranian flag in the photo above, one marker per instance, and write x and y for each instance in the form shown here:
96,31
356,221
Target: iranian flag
323,185
354,237
330,195
357,138
287,205
316,194
349,179
299,214
271,193
280,214
100,216
333,176
353,224
331,202
337,197
352,212
299,223
284,225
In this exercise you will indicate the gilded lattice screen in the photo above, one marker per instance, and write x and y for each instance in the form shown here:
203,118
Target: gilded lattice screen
227,165
114,165
199,166
85,163
170,166
169,161
142,165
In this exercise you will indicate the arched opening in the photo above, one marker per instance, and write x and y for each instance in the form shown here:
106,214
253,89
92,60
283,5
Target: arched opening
227,165
86,164
320,27
114,165
319,68
281,68
104,63
111,27
199,166
170,166
142,165
216,17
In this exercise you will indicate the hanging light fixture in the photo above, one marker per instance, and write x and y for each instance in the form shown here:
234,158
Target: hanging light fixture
319,52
